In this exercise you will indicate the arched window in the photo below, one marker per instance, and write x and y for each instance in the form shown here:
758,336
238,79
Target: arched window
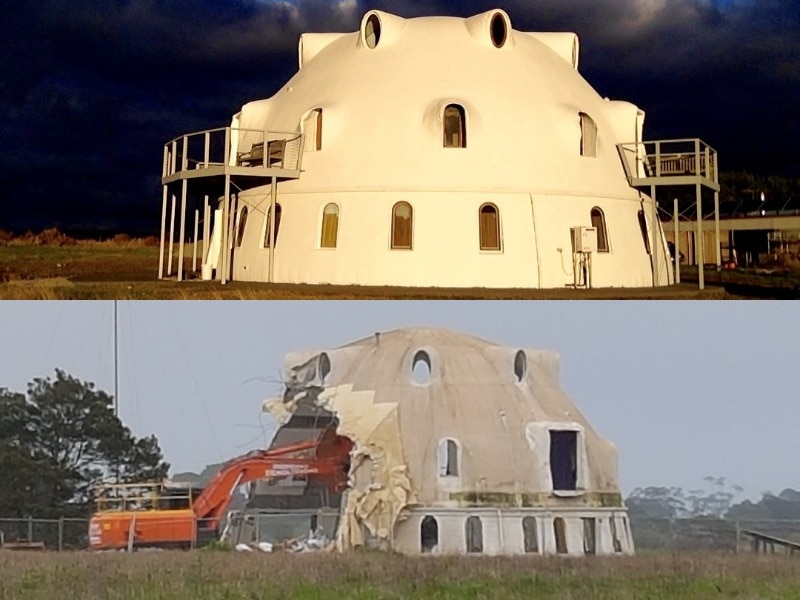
530,535
268,226
330,226
324,367
560,532
588,136
429,534
589,535
599,223
643,227
402,226
474,533
312,131
489,227
455,126
240,229
448,458
520,365
421,368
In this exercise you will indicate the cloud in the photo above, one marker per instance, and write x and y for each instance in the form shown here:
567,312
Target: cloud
86,108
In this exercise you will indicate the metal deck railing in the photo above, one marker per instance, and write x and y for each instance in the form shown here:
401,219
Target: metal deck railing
669,161
232,147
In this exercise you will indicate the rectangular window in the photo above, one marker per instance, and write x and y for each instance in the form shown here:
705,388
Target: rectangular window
564,460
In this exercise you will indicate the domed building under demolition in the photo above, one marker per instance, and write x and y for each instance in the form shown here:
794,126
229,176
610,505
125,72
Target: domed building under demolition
431,151
458,446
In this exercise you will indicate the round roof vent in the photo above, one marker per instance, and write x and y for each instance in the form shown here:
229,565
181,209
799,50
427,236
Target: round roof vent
372,30
498,29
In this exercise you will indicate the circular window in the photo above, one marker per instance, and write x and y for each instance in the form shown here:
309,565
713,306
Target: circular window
372,31
498,30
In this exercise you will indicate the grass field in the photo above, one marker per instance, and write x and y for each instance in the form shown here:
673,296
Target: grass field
204,575
128,269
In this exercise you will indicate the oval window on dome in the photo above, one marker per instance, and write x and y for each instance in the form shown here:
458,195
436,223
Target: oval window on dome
498,28
372,31
324,367
520,365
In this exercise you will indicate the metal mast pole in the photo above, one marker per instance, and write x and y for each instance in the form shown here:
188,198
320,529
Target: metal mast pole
116,364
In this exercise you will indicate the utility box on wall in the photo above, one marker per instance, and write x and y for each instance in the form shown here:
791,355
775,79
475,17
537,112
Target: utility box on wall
584,239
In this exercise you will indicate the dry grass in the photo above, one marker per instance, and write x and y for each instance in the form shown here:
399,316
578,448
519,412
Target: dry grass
205,575
51,266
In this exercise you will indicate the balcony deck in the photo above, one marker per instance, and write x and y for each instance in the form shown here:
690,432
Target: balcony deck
670,162
235,152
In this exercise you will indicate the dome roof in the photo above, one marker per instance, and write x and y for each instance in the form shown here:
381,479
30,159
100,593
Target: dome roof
383,106
498,405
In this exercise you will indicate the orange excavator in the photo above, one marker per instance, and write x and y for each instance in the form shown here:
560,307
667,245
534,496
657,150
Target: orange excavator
157,515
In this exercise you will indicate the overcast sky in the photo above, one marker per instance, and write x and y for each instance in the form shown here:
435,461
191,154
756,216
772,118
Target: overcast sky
684,390
91,90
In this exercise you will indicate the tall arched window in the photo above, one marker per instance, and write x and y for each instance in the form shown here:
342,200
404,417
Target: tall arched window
240,228
429,534
474,533
448,458
560,532
330,226
312,130
402,226
455,126
489,227
599,223
268,227
530,535
421,368
645,234
588,136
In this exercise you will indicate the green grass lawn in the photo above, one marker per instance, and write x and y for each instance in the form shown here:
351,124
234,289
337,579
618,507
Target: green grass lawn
205,575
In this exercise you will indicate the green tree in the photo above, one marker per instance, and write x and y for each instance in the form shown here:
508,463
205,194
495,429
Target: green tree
59,440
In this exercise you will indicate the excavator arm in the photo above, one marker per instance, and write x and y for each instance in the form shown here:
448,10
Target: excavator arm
329,461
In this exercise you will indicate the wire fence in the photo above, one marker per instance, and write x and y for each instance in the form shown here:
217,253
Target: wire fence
31,533
673,535
716,535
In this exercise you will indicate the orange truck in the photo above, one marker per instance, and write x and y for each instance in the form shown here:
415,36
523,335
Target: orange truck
158,515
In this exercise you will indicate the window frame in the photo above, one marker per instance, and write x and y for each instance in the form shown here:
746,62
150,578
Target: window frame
474,535
587,120
602,229
443,451
322,230
462,128
497,228
278,212
241,223
393,245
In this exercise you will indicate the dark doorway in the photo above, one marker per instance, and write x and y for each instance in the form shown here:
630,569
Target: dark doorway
564,460
429,534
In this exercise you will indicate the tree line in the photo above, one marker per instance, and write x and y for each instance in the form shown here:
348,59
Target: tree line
61,438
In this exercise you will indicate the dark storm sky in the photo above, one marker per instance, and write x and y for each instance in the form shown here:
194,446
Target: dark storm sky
91,89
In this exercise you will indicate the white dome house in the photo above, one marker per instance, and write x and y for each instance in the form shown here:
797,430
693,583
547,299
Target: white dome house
432,151
459,445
